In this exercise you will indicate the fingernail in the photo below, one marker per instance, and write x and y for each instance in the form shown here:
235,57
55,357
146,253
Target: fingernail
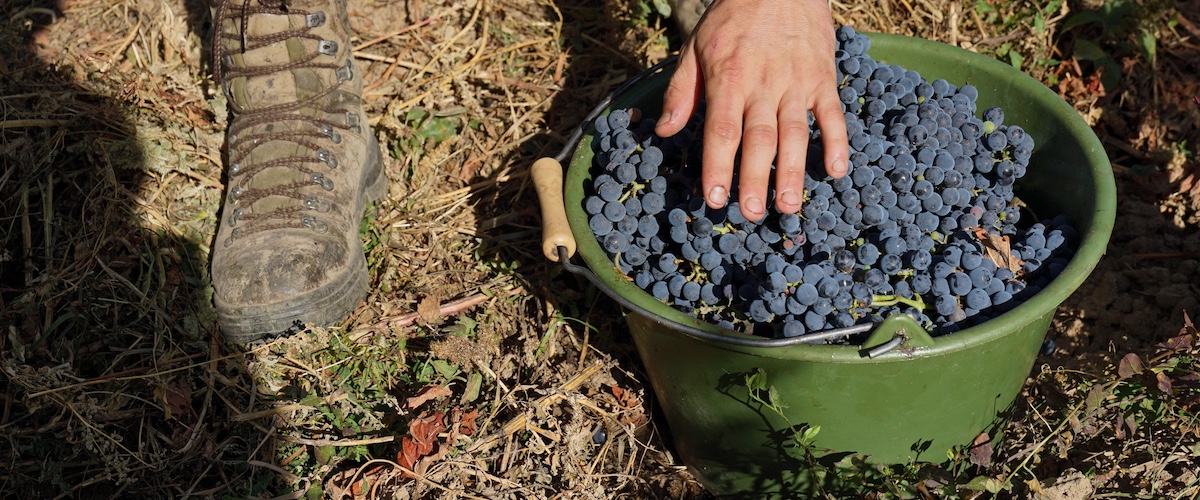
755,204
717,196
791,198
839,167
665,118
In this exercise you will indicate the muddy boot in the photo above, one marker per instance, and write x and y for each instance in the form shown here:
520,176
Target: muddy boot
687,14
301,165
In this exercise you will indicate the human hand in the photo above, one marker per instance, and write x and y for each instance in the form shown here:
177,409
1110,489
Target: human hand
762,64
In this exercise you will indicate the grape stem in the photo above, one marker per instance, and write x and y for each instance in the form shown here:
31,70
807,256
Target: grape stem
635,188
891,300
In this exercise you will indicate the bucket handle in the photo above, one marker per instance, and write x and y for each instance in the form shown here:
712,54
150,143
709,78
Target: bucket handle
559,245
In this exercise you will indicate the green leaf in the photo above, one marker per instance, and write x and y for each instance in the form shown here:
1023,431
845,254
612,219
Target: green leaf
773,398
756,380
809,436
984,7
415,115
444,368
323,454
311,400
1016,59
1149,45
663,7
1039,23
1111,75
1088,51
985,483
438,128
1112,14
474,383
1081,18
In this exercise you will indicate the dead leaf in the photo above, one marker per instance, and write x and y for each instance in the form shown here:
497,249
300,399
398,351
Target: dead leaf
625,398
467,425
1095,398
998,250
1164,383
1129,366
429,392
421,439
981,450
1131,423
1175,344
176,397
430,309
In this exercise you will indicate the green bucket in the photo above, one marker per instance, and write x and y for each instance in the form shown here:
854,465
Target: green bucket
911,404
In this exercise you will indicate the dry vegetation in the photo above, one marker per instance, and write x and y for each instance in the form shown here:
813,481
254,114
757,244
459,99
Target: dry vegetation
476,369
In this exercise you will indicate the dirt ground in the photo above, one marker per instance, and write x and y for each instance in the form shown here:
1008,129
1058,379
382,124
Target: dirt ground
475,368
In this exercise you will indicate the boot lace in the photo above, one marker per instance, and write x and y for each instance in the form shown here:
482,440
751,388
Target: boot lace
242,143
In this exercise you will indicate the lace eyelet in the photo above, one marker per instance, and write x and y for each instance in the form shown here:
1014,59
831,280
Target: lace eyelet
233,234
235,168
332,134
317,205
317,225
352,121
345,73
323,181
327,47
327,157
236,216
235,193
227,60
315,20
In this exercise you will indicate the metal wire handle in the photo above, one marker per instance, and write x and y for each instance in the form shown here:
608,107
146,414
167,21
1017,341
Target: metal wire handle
564,258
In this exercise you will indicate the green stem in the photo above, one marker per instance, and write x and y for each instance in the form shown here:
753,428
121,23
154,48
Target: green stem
891,300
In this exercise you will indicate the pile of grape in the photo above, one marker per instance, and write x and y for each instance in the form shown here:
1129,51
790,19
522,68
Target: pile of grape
925,224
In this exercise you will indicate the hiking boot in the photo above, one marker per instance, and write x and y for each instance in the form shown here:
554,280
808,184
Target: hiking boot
301,165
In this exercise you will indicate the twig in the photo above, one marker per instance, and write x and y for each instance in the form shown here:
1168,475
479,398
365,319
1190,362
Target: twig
125,378
445,311
405,29
420,477
1001,39
7,124
268,412
398,61
337,442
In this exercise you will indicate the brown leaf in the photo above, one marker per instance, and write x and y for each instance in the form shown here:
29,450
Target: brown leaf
422,438
1131,424
998,250
1164,383
981,450
1129,366
176,397
625,398
430,309
467,425
1180,343
429,392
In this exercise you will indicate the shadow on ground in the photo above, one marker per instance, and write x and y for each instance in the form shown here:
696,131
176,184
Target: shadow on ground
115,382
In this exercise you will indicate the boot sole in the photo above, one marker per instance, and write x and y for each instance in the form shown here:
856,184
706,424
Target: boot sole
323,306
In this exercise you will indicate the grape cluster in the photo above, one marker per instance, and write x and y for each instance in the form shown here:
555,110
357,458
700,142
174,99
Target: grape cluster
924,224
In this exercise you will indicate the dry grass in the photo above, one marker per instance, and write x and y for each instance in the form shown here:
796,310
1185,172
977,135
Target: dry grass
496,375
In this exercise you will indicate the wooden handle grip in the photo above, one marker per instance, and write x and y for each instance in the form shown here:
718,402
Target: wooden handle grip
548,181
